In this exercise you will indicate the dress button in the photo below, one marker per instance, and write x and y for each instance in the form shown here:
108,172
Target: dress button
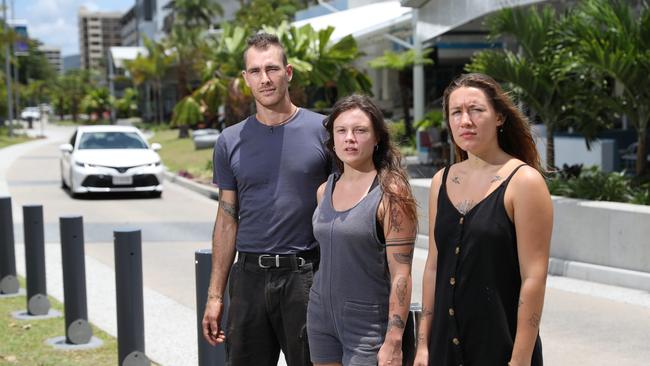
452,281
455,341
451,312
457,250
461,220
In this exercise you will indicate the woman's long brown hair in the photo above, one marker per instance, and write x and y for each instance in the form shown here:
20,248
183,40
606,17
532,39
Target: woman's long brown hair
386,157
516,138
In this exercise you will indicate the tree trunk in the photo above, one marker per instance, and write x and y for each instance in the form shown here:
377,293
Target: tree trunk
641,153
159,105
404,94
550,147
183,131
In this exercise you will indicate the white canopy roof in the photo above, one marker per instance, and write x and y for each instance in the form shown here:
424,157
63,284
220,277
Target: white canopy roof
362,21
120,54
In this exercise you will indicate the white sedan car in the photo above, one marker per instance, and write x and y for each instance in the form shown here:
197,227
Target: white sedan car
110,159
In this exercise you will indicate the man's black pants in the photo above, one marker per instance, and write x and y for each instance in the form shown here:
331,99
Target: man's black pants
267,312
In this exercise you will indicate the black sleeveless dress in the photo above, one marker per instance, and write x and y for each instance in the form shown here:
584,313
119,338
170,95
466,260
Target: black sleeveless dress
477,283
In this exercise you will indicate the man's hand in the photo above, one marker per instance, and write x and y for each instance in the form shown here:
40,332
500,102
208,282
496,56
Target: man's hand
212,320
390,353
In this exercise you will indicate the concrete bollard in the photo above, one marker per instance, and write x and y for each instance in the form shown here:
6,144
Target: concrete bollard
8,279
37,301
208,355
129,296
77,329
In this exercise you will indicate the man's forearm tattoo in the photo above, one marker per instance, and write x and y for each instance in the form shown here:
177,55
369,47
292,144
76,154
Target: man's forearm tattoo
396,322
400,289
230,210
404,258
534,320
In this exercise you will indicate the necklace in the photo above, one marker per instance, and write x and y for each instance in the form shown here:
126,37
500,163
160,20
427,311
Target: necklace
285,121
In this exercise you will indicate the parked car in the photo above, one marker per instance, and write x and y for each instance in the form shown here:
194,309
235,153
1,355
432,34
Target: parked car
30,113
110,159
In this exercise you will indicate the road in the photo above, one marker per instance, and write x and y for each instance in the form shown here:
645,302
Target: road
583,323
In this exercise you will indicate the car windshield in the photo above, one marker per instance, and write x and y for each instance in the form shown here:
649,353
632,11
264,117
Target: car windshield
111,140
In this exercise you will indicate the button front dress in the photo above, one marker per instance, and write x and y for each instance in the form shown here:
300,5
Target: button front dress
477,283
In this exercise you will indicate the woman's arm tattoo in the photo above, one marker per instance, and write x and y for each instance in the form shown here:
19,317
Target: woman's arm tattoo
404,258
400,289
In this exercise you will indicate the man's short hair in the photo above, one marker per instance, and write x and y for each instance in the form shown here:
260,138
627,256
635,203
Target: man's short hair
263,41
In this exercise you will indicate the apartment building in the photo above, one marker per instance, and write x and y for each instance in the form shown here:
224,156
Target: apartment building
53,56
98,31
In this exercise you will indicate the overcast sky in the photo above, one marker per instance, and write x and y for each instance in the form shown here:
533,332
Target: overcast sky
54,22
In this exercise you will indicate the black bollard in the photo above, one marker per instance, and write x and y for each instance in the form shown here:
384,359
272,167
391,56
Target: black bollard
8,279
77,329
37,301
208,354
128,293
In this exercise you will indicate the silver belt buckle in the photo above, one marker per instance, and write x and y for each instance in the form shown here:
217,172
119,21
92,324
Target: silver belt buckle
301,261
277,260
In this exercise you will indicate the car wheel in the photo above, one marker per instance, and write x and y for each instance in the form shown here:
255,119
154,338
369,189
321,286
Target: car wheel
71,187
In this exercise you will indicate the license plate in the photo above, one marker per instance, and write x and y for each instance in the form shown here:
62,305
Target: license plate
122,181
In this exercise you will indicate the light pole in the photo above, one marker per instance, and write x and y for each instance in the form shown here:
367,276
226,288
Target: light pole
10,115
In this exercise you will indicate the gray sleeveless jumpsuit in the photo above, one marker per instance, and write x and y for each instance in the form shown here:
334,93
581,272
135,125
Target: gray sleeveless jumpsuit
347,313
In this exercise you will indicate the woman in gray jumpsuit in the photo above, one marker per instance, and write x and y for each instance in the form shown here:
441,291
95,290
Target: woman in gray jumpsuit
365,224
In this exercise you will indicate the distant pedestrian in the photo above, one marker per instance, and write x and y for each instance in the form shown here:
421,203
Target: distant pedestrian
491,221
365,224
268,168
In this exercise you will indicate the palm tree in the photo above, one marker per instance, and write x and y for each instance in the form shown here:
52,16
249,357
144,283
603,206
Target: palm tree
192,13
97,101
544,73
152,68
401,62
611,38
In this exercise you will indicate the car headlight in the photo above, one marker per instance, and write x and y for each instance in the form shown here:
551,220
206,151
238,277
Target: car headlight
84,165
152,165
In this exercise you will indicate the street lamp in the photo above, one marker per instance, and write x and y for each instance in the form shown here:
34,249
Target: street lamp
10,115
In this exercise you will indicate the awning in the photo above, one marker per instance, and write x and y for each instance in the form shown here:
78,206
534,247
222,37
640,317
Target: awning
362,21
120,54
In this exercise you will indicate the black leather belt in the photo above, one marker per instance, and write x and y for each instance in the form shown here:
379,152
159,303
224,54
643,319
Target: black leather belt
269,261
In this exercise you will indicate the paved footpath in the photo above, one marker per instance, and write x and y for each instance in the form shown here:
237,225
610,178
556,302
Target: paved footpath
583,323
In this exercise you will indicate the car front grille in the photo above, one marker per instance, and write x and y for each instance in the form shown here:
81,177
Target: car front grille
106,181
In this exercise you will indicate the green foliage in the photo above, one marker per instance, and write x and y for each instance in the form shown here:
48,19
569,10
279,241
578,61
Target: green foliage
401,60
610,37
187,112
593,184
127,106
270,13
398,135
546,73
433,118
97,102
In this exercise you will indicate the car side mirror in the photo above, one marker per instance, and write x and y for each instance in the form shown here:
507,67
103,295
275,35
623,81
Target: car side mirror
66,148
156,146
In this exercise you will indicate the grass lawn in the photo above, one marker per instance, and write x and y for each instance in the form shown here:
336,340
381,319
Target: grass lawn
5,140
22,342
180,155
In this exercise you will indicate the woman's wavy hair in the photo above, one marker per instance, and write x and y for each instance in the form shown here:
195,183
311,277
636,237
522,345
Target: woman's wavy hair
386,157
514,136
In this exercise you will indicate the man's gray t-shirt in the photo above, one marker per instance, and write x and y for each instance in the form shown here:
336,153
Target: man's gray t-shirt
275,172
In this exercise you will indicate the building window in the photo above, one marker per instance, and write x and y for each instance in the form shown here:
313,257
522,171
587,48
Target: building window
149,9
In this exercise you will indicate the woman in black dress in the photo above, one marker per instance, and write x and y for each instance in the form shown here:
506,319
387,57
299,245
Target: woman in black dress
490,230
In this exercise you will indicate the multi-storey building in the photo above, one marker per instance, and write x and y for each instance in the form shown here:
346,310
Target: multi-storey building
53,56
97,32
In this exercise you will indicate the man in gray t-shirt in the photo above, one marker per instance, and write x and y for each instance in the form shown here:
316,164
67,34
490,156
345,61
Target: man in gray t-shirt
268,168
